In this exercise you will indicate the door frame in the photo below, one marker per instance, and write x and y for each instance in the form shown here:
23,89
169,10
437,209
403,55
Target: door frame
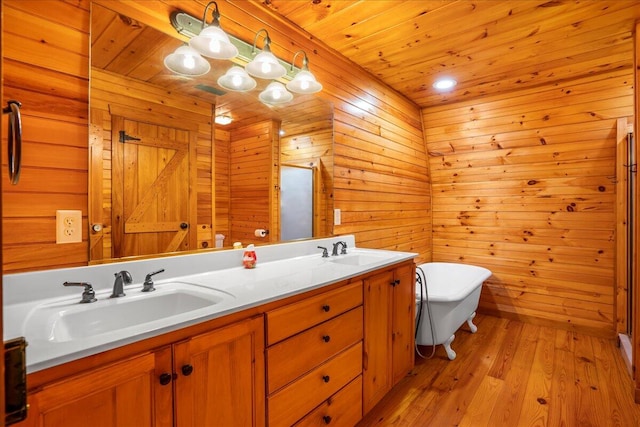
96,211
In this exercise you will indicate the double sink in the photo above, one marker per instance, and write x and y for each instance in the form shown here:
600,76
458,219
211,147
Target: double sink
63,321
61,329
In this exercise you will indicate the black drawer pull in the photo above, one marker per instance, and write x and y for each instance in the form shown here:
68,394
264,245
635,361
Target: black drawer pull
187,370
326,419
326,338
165,378
326,378
326,308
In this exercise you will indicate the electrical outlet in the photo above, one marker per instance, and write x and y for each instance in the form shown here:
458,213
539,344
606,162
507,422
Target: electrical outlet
337,217
68,226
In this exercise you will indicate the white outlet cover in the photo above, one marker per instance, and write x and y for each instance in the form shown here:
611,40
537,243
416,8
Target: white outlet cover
68,226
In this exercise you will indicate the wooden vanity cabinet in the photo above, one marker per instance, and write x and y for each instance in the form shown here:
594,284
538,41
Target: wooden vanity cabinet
215,378
120,394
220,377
314,359
389,307
329,356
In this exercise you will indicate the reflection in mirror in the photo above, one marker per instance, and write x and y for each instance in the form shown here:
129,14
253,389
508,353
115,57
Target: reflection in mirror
164,177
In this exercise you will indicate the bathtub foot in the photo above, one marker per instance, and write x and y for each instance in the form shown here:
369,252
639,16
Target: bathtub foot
473,327
447,347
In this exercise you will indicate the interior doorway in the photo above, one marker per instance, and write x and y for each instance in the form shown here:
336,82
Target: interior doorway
297,185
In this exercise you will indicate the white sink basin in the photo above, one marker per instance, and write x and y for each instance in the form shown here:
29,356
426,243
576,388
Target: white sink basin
70,320
358,258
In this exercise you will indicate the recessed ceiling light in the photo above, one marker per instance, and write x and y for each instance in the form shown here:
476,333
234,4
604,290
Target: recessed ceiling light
444,83
223,120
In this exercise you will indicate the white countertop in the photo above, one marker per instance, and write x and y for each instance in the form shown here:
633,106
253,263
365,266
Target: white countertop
282,270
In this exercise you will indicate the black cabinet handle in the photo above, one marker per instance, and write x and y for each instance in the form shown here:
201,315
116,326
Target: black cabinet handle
187,370
326,378
326,419
326,338
326,308
184,225
395,282
165,378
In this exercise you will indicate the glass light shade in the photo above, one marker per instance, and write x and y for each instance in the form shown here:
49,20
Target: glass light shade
266,66
275,94
237,79
187,61
213,42
304,82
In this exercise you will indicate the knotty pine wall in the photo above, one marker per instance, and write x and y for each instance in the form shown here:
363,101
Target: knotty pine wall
254,169
524,185
380,175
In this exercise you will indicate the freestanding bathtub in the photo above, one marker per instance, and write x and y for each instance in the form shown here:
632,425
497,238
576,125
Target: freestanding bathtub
453,292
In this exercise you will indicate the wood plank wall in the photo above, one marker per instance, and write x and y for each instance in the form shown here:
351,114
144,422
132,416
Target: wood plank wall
148,103
253,167
222,144
524,185
47,70
381,175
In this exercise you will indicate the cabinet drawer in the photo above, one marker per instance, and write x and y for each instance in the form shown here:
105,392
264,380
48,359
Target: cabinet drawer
293,318
343,408
297,399
291,358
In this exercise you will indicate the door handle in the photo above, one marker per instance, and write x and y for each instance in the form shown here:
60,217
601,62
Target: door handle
14,140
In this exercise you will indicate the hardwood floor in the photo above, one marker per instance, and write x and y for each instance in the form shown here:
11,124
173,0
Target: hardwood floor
514,374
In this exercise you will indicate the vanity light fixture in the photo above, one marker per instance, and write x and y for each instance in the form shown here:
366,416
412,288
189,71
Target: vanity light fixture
265,65
237,79
275,94
187,62
212,41
445,83
304,81
223,119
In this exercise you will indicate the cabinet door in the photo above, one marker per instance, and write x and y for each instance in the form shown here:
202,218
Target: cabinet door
377,375
220,377
118,395
403,321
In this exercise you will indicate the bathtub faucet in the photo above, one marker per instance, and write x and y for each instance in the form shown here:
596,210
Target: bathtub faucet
338,244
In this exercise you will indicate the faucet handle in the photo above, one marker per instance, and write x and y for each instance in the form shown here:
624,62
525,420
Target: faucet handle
88,295
147,286
344,248
325,253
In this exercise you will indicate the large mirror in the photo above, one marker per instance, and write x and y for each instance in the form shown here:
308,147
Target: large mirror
164,177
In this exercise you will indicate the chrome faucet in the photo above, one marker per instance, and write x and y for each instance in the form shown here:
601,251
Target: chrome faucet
337,245
122,278
148,286
88,295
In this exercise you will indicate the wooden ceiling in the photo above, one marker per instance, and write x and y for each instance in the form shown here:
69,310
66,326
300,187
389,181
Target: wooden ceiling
489,47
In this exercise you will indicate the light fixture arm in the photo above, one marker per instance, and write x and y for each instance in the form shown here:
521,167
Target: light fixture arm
267,41
305,60
215,14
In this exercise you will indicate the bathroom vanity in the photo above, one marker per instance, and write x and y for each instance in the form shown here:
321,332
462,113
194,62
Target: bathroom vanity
305,340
